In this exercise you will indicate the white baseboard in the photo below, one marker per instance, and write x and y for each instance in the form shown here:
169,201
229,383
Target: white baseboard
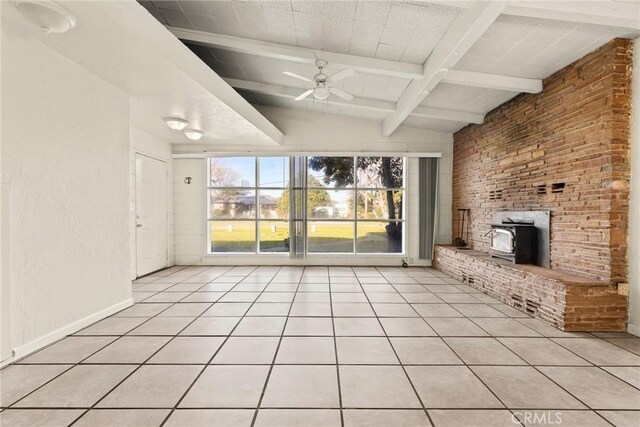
53,336
633,329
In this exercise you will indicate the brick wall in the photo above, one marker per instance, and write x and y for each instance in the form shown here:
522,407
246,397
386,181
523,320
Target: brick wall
565,149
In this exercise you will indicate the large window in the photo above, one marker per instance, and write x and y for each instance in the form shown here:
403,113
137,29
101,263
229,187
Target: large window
353,204
249,204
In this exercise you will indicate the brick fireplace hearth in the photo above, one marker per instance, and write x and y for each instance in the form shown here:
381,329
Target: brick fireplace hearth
565,150
568,302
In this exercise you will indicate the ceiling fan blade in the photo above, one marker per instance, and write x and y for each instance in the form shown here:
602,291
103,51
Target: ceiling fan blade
303,95
342,74
297,76
342,94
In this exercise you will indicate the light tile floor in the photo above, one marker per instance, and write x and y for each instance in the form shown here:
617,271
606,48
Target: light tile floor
317,346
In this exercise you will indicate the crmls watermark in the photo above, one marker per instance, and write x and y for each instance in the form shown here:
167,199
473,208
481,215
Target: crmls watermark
537,418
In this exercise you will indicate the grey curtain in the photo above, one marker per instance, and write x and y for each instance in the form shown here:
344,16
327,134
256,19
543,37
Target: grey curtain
428,175
297,180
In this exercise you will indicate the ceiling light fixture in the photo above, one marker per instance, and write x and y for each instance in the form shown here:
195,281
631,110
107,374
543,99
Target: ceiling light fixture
176,123
321,91
45,14
193,134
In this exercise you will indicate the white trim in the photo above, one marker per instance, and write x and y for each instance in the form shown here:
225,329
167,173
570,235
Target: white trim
137,152
208,154
633,330
611,14
616,13
459,38
303,55
370,104
5,270
355,261
53,336
448,115
492,81
151,156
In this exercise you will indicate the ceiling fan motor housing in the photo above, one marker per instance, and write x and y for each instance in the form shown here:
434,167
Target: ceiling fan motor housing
324,84
320,78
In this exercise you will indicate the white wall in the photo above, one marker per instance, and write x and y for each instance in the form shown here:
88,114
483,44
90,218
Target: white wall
65,155
312,133
144,143
633,255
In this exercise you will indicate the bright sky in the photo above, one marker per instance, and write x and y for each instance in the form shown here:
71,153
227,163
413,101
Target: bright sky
274,171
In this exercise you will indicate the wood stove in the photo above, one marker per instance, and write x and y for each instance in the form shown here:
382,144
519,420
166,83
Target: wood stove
514,240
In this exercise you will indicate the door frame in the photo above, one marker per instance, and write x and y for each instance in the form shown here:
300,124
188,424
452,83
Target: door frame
137,153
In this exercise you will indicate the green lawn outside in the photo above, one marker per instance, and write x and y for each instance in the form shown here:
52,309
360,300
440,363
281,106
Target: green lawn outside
323,237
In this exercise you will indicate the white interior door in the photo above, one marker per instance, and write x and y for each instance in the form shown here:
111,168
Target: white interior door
151,215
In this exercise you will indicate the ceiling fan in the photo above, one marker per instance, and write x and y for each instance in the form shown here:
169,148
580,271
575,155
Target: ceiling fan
324,83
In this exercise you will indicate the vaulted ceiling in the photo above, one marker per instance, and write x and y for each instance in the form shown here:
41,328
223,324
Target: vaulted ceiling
437,64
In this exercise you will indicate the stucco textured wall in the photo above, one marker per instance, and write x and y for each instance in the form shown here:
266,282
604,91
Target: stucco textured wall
65,155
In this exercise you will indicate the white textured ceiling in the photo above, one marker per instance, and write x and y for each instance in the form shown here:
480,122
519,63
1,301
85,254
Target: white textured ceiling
392,30
534,48
397,31
153,68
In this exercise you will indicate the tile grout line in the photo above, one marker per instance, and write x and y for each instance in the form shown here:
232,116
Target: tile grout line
144,363
73,365
402,294
506,407
275,355
335,348
527,364
595,365
460,358
79,363
476,375
413,387
204,368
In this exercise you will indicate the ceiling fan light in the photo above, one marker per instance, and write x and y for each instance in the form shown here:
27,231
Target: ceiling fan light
176,123
45,14
321,92
193,134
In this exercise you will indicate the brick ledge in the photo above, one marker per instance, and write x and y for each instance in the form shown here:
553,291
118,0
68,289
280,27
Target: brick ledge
566,278
565,301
